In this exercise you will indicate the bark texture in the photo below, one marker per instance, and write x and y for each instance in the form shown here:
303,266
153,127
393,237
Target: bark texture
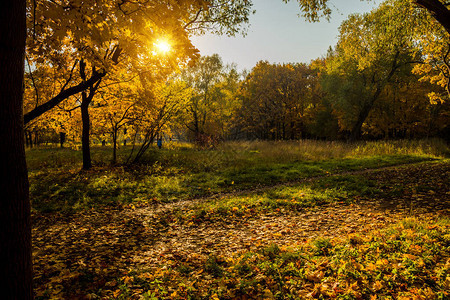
15,229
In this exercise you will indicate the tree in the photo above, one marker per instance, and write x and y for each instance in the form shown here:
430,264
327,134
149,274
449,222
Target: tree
313,10
108,37
203,78
86,100
438,9
40,84
106,34
155,111
434,41
116,111
372,48
404,110
275,100
226,102
435,48
15,226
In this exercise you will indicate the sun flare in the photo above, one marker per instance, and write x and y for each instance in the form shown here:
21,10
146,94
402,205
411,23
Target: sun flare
162,46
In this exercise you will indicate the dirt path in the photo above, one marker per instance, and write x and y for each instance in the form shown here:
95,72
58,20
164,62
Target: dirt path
80,254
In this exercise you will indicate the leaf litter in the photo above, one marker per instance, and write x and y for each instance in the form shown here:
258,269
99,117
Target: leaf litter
102,253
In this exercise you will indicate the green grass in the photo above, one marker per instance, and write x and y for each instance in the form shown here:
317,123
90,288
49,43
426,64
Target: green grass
180,171
327,190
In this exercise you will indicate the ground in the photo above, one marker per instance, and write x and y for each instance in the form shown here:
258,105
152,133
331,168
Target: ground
91,254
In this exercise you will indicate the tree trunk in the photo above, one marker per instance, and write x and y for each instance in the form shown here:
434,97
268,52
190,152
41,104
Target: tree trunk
85,102
293,130
15,226
367,107
30,136
62,139
28,139
355,134
85,140
114,136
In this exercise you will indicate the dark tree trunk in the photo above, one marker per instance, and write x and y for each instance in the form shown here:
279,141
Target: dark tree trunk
85,136
114,136
62,139
30,137
367,107
355,134
293,130
15,227
85,102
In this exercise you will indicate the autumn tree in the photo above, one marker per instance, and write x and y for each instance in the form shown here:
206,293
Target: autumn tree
404,111
203,77
100,38
274,101
313,10
320,118
434,43
115,111
228,102
257,112
371,51
108,33
155,112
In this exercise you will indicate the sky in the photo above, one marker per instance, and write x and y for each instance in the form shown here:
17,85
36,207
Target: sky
279,35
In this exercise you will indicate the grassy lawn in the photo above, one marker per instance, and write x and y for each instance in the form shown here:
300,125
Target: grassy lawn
183,172
245,221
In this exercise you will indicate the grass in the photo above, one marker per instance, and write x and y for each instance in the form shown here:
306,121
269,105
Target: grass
180,171
408,260
342,189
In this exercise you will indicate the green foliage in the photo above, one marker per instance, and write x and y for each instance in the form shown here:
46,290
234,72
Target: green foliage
207,114
368,80
322,246
213,267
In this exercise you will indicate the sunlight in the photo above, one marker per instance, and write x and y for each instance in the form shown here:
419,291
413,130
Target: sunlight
162,46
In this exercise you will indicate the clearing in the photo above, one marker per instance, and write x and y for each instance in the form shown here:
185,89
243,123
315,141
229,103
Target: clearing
280,241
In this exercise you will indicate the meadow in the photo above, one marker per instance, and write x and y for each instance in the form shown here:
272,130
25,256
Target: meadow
245,220
181,171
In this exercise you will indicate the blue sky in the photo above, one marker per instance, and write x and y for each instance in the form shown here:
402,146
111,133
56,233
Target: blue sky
278,34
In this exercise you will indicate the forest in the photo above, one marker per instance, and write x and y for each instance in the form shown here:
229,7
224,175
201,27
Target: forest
135,168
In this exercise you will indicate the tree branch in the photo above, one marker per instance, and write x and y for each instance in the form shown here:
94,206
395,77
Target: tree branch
41,109
438,10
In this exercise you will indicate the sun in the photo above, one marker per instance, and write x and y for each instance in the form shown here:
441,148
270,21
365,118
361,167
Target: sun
162,46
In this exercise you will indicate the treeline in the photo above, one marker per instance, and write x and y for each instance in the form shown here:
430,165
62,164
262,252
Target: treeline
388,77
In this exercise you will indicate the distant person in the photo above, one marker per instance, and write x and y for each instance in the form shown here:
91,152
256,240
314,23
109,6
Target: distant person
159,142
